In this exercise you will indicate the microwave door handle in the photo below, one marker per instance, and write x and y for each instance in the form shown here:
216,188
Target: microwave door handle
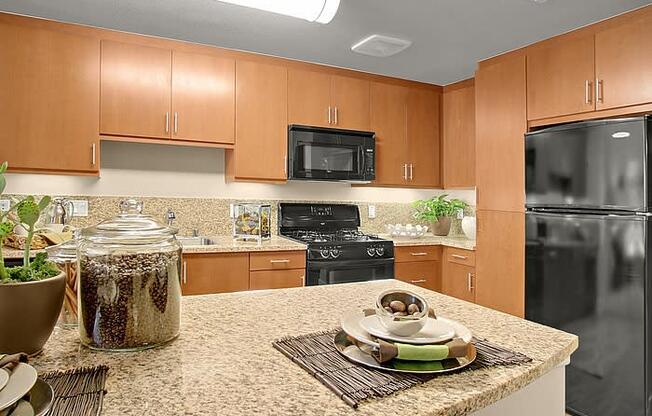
362,164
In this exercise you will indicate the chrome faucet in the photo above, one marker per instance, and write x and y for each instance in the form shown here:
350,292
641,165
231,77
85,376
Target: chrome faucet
171,216
195,232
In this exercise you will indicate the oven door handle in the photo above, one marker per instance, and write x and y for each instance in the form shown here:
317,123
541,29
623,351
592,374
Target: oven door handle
356,264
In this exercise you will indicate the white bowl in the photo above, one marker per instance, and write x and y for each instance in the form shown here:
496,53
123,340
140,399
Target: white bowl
403,326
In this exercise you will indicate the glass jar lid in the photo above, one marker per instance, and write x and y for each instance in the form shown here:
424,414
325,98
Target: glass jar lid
65,252
130,226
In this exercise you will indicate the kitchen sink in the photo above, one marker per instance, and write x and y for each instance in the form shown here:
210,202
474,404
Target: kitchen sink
195,241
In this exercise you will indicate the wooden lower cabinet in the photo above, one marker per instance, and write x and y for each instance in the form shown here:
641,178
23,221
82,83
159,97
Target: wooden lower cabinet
214,273
458,281
417,253
277,279
426,274
500,261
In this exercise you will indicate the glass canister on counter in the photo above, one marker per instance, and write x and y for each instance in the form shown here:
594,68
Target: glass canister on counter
252,221
129,288
64,255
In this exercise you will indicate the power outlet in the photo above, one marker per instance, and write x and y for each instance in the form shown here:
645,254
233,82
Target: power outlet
4,205
80,208
460,214
372,211
231,211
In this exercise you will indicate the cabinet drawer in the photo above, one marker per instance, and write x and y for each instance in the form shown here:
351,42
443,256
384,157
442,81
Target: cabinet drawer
277,279
277,260
459,256
426,274
417,253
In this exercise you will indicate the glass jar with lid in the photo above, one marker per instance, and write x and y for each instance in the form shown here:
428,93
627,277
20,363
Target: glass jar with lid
129,288
64,255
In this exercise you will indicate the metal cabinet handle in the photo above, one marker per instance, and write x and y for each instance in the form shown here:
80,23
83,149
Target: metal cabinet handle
279,261
411,171
335,112
176,122
469,281
303,280
184,273
167,122
418,281
285,165
93,154
599,90
419,254
330,121
587,92
458,256
405,174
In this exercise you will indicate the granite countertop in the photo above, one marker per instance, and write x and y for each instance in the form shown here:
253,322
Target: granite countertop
223,361
433,240
226,244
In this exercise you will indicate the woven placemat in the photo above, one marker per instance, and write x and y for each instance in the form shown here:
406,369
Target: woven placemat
77,392
354,383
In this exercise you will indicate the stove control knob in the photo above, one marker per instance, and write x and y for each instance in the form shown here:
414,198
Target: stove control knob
380,251
324,253
335,252
371,251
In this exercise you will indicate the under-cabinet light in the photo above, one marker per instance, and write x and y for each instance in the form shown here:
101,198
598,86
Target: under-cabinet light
321,11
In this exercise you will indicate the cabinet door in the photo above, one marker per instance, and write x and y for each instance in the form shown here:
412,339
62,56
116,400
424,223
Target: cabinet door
500,261
426,274
309,98
388,120
500,128
203,98
623,62
214,273
135,97
277,279
350,102
49,100
423,137
458,281
458,156
261,122
560,77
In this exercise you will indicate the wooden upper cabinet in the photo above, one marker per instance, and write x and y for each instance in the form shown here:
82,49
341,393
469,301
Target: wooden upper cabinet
500,261
458,127
423,137
560,77
350,102
203,98
623,63
135,95
388,120
309,98
500,128
261,123
49,99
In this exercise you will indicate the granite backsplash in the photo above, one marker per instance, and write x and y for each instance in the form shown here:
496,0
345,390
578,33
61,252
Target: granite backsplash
210,216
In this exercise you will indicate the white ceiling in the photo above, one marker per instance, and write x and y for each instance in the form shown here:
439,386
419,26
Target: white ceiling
449,36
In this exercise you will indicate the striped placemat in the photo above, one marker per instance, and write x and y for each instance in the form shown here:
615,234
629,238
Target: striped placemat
354,383
77,392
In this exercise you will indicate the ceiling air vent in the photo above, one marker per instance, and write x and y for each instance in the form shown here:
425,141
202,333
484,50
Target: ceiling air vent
381,46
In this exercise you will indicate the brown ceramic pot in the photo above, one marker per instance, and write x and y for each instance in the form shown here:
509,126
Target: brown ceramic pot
28,313
441,227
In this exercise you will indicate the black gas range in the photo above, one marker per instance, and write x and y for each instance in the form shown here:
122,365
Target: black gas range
338,252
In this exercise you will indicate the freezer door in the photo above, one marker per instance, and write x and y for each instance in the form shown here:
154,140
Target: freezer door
585,274
597,165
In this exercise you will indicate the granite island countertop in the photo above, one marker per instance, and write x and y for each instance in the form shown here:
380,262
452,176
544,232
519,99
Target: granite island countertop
223,363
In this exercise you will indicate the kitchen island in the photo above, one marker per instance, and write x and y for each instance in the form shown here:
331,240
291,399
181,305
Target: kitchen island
223,362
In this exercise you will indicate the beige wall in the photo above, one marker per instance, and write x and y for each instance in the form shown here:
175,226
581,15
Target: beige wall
175,171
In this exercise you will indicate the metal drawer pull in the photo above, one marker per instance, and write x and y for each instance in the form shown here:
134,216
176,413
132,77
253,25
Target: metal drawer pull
418,281
279,261
599,90
335,115
93,154
587,92
329,115
405,175
458,256
469,277
185,272
176,122
419,254
411,171
167,122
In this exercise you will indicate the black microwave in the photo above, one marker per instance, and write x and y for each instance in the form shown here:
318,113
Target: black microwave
325,154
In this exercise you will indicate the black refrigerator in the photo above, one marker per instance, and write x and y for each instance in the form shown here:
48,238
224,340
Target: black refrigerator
587,268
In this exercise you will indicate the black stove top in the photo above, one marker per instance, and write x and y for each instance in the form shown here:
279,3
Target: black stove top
339,236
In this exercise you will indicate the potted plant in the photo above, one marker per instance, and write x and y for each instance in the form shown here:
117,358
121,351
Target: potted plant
438,212
31,295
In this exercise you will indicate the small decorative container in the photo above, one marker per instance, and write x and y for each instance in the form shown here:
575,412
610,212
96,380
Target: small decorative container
129,288
65,256
252,222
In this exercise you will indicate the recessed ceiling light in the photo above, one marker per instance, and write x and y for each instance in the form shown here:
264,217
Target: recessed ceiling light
380,45
321,11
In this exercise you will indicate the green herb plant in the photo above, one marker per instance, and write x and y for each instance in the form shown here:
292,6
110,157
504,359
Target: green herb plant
431,210
23,213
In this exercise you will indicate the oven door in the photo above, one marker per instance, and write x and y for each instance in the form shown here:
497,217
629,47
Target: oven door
332,272
326,155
